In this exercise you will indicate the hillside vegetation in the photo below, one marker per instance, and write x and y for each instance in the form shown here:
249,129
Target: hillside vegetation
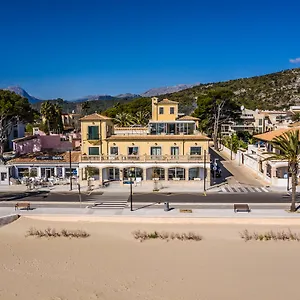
272,91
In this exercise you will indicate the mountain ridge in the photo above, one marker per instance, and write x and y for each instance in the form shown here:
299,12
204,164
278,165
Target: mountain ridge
20,91
149,93
270,91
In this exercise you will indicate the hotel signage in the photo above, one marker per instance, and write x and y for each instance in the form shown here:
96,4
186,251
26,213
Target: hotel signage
49,157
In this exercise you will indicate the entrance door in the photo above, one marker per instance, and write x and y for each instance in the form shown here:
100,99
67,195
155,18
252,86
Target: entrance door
48,173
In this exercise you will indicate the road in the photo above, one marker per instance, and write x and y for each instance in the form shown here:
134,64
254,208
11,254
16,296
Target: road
150,200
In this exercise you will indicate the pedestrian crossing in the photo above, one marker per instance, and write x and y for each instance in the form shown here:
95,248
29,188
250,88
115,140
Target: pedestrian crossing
242,189
119,204
108,201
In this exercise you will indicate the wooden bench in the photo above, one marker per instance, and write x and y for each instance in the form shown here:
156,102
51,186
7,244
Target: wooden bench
241,207
22,204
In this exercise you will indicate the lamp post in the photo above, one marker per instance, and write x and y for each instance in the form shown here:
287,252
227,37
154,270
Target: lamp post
204,185
288,177
130,177
131,208
231,146
70,156
79,193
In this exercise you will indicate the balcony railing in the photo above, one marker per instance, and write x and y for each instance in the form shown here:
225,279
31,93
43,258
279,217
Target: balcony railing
144,158
92,137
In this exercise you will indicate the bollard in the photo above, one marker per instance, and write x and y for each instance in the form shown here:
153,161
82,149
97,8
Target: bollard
166,206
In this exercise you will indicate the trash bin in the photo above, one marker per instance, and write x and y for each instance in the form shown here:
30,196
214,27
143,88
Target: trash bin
166,206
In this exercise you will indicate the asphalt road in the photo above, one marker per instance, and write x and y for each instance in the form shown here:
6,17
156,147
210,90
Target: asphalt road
38,196
43,196
213,198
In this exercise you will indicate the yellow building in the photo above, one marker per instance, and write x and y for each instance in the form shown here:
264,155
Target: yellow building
171,148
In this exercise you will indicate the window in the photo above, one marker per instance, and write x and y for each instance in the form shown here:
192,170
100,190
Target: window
93,150
175,150
260,122
114,150
155,151
3,176
161,110
93,132
178,173
172,110
195,150
133,150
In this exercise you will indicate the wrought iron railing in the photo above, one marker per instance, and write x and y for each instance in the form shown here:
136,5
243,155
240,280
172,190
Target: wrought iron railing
145,158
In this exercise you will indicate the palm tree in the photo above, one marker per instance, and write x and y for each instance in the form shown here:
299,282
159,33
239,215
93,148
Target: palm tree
296,117
288,148
124,119
141,118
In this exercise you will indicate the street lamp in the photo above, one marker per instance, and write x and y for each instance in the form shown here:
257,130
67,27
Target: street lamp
204,185
130,177
231,145
79,193
70,156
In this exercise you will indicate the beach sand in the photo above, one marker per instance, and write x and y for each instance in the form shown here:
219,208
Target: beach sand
110,264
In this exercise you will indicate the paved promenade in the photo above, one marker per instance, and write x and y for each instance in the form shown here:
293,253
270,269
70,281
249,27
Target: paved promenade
145,212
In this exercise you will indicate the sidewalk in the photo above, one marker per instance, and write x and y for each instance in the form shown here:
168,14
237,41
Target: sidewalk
89,214
241,174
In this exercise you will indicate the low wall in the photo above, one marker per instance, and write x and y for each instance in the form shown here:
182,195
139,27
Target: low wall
8,219
250,162
227,151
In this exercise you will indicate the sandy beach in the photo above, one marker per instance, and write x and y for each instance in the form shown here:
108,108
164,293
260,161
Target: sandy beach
110,264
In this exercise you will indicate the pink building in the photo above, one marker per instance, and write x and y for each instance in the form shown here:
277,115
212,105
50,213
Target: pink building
40,143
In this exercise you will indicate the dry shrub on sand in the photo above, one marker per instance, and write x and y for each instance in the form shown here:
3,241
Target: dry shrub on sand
52,232
143,236
270,236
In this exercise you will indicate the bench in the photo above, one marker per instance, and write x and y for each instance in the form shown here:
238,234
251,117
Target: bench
22,204
241,207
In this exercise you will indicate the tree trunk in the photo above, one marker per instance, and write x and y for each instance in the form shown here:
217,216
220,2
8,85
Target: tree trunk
215,139
1,149
294,184
48,125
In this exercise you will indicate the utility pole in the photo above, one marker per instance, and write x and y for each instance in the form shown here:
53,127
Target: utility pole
70,156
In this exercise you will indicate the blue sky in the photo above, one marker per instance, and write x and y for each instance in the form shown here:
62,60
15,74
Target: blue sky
72,48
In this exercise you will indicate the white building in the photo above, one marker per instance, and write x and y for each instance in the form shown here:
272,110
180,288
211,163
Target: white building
273,171
258,121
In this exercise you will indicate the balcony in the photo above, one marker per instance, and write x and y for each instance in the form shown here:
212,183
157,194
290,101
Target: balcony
93,137
144,158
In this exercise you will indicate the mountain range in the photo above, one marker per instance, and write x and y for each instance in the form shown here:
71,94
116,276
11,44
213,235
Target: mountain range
127,96
18,90
271,91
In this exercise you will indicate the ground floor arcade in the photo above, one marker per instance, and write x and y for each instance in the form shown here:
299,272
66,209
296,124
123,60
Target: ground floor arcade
146,172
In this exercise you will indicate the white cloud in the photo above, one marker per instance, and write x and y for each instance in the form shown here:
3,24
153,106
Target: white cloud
295,61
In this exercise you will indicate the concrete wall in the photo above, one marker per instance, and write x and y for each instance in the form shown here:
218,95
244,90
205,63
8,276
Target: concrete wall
41,143
227,152
8,219
28,146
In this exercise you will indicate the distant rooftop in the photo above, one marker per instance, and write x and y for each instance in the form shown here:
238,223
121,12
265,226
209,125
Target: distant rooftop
95,117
